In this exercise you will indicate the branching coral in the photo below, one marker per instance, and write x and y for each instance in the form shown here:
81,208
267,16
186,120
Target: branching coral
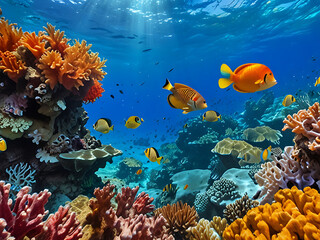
56,39
239,208
179,218
9,36
21,175
12,66
294,215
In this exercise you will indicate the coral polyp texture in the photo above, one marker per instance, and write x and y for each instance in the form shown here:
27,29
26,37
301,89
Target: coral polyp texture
294,215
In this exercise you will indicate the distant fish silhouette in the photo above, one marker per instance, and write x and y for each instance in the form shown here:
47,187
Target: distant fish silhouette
147,50
121,91
101,29
112,96
156,63
171,70
131,37
141,83
140,42
118,36
135,35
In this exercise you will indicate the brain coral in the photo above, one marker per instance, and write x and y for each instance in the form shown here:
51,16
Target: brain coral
294,215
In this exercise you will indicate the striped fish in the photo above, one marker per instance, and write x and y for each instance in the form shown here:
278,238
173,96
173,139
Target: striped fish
184,97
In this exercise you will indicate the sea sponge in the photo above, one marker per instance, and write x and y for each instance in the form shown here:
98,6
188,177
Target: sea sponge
179,218
50,63
56,39
9,36
294,215
80,205
260,134
238,149
34,43
12,66
94,92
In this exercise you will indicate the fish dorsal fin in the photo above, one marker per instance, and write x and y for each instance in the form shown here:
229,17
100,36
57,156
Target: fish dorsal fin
240,68
180,85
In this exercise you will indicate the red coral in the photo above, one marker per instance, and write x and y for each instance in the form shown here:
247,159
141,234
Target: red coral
61,226
94,92
26,217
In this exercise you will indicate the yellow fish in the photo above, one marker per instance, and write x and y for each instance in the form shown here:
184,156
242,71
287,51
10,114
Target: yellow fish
167,188
265,154
103,125
317,82
185,126
184,97
133,122
247,78
211,116
3,145
153,155
288,100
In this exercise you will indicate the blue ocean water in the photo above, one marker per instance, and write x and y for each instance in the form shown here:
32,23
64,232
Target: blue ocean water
191,37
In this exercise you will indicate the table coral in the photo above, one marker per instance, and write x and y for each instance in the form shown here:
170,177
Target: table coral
262,133
294,215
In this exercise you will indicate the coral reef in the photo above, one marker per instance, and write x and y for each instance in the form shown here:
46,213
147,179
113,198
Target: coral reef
294,215
179,218
239,208
208,230
260,134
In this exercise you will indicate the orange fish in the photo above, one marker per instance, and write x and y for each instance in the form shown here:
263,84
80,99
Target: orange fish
184,97
247,78
139,172
185,187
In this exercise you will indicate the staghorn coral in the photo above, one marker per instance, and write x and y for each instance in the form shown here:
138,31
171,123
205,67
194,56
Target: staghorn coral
260,134
25,219
9,36
35,43
294,215
179,218
239,208
14,68
56,39
94,92
21,175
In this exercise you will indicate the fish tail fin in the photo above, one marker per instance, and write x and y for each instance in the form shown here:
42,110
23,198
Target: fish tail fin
202,118
226,72
111,128
159,160
168,85
141,119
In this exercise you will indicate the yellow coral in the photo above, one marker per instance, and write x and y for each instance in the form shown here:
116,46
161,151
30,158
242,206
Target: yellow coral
206,230
294,215
9,36
12,66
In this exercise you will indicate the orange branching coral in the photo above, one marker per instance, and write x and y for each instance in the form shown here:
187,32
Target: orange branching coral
80,66
34,43
11,65
56,39
9,36
94,92
294,215
50,63
179,218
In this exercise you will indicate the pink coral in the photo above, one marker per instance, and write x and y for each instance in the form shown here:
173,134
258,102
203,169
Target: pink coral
140,227
61,226
25,219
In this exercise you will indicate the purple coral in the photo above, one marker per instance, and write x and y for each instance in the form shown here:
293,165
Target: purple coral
16,104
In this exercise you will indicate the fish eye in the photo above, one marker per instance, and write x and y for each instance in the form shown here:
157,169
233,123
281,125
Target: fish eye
204,101
270,74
